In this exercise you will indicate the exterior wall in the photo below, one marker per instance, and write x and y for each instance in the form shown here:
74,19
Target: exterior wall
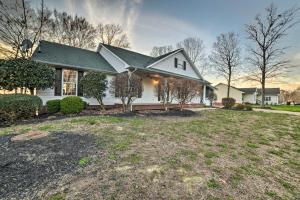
48,94
274,99
113,60
249,98
221,92
168,65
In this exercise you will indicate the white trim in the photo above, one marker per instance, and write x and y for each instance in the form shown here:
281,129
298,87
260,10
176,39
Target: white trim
126,65
62,83
186,56
163,58
74,66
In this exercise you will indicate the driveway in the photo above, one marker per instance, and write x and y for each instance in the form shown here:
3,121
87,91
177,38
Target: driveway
277,111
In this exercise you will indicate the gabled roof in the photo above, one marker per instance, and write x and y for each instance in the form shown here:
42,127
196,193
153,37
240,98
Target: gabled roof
227,85
270,91
132,58
64,55
141,61
248,90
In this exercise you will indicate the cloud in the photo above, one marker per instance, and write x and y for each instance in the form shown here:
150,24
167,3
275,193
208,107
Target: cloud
123,12
153,29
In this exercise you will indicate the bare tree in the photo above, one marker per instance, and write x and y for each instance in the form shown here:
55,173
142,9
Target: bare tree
186,90
225,57
19,22
212,96
158,51
266,53
128,87
165,91
112,34
71,30
194,47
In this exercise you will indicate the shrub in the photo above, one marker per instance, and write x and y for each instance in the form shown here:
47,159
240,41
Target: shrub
228,102
248,107
71,105
85,105
240,106
18,106
53,106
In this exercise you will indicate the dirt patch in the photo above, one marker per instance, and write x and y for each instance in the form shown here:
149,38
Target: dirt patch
31,135
29,165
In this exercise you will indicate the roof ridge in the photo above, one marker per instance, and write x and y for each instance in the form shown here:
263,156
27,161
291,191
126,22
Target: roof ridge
126,50
66,45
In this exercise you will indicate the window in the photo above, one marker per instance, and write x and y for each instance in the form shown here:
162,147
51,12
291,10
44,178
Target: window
268,99
184,65
69,82
175,62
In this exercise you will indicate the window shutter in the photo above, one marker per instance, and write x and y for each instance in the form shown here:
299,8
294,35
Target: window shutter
175,62
58,80
184,65
79,87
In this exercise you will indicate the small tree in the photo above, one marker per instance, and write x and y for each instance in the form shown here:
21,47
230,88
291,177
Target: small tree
128,87
25,74
186,90
225,57
165,91
94,84
212,96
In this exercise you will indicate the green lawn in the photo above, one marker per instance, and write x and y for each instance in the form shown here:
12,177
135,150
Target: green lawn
287,108
213,155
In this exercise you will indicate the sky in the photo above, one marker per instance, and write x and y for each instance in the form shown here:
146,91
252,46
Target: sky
151,23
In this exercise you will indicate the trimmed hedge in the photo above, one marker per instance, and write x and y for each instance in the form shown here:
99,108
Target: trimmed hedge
71,105
18,106
228,102
53,106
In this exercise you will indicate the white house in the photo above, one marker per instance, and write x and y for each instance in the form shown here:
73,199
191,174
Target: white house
247,95
71,63
221,92
253,95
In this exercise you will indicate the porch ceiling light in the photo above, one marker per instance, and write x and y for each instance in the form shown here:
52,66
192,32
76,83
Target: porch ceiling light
155,82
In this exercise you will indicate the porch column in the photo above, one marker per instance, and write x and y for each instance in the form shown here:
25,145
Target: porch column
204,94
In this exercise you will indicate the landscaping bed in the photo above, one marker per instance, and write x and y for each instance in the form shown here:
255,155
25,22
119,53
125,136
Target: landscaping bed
215,154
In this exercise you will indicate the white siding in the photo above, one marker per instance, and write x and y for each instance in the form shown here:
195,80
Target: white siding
221,93
249,98
274,99
48,94
168,66
113,60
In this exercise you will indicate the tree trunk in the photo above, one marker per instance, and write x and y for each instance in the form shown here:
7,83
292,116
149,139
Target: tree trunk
228,87
263,80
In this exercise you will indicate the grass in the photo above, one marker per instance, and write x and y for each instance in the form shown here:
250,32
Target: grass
290,108
177,156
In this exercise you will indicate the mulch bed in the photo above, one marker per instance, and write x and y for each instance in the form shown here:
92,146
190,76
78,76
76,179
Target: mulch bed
30,165
111,112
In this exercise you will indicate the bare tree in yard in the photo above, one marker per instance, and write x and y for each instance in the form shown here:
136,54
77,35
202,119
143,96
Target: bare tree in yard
165,91
225,57
186,90
19,22
212,96
112,34
194,47
266,53
158,51
127,87
71,30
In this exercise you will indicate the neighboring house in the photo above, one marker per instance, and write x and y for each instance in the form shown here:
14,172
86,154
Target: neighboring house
271,96
221,92
253,95
247,95
71,63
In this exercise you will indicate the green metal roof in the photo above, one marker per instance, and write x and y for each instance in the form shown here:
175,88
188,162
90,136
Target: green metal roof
64,55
